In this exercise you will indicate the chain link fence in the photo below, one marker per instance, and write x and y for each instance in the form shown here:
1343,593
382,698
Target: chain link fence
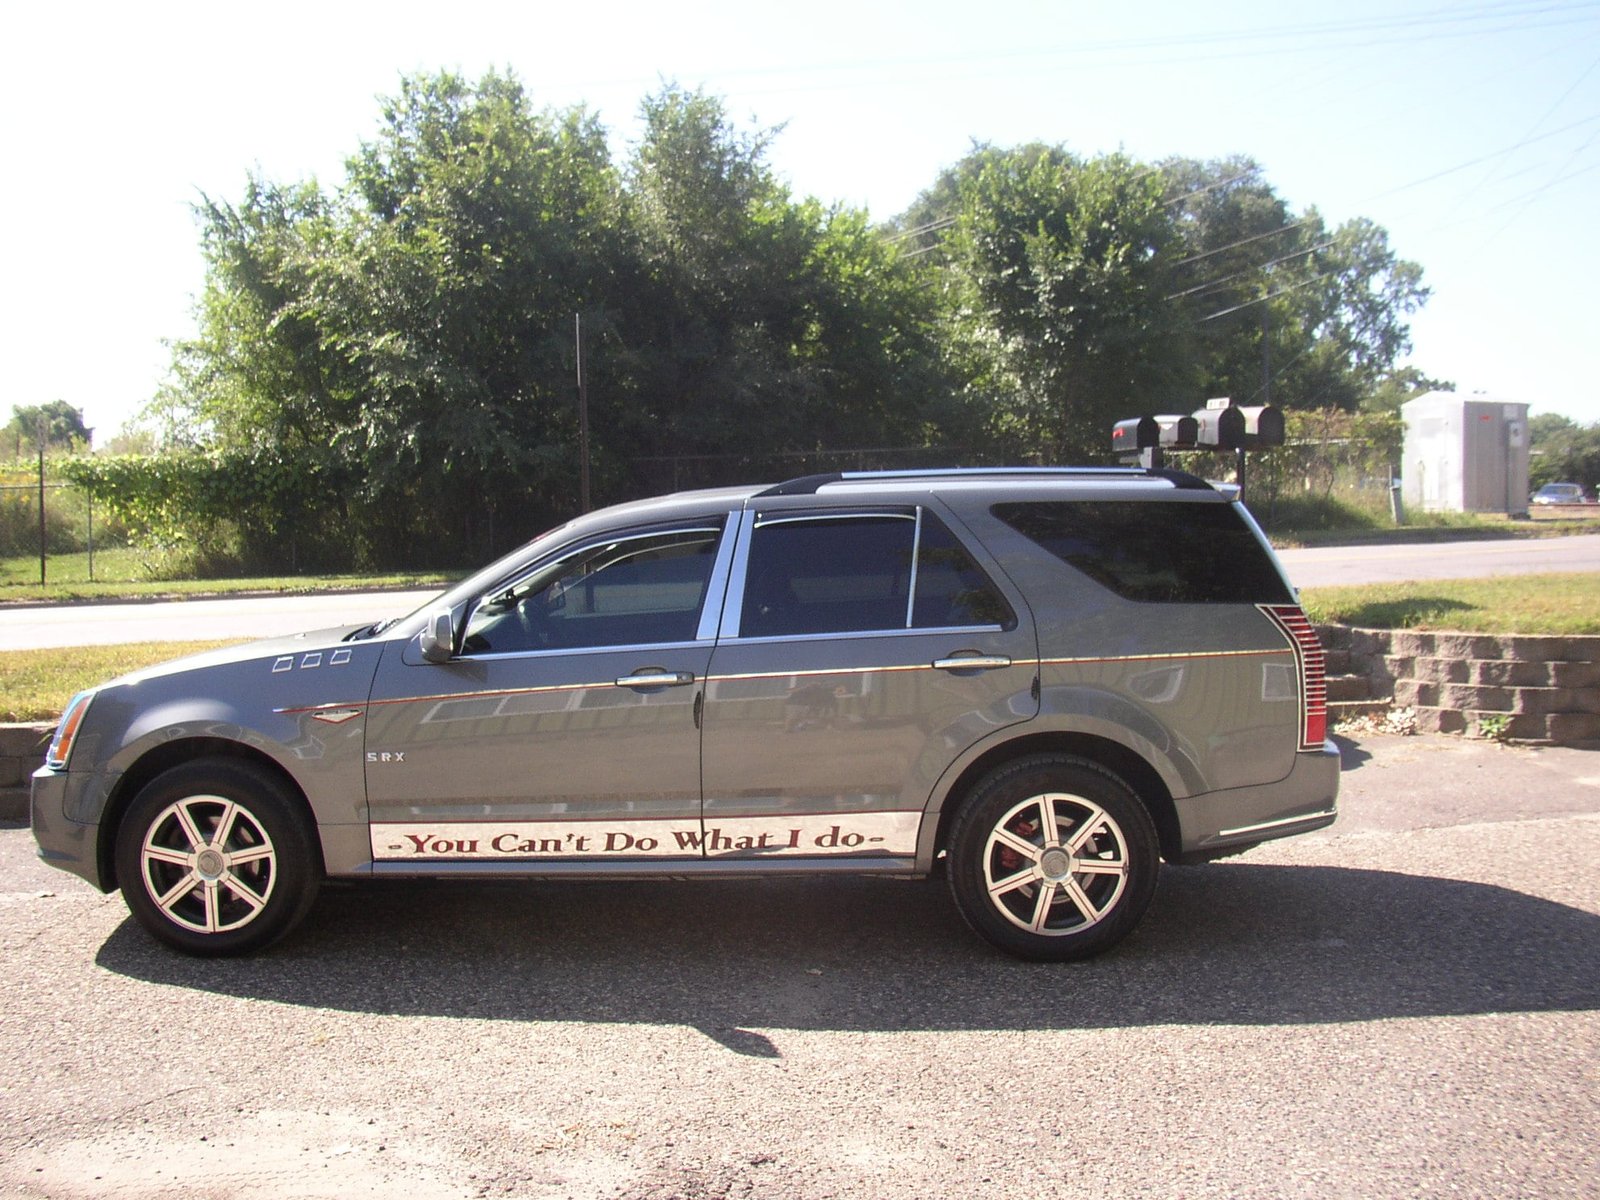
657,474
52,533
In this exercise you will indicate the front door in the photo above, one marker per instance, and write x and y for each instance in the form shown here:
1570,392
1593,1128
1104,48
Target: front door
565,726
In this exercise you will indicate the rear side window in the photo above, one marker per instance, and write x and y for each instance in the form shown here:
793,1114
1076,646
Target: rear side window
1161,553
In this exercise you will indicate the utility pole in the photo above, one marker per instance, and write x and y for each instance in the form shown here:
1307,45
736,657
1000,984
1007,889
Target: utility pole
583,418
41,498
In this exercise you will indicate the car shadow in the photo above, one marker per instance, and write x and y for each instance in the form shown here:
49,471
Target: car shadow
1352,757
1229,943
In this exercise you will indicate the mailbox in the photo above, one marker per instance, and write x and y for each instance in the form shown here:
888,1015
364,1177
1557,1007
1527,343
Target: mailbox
1220,428
1178,433
1135,434
1263,426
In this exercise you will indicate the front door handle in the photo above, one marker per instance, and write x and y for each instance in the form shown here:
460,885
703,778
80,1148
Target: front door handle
656,679
971,662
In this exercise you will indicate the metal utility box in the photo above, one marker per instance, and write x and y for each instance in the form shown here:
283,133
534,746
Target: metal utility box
1465,454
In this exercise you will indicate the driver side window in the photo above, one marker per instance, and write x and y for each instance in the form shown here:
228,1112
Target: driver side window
639,590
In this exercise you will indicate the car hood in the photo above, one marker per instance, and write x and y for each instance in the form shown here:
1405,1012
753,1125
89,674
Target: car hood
297,644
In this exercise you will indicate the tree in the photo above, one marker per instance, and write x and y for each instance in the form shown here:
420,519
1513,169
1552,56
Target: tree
409,338
772,324
1401,385
1562,451
1055,298
1285,308
61,424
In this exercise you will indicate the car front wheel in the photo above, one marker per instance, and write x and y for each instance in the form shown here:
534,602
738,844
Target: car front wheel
216,857
1052,857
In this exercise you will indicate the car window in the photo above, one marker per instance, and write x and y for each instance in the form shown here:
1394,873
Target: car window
952,590
1160,553
627,591
830,573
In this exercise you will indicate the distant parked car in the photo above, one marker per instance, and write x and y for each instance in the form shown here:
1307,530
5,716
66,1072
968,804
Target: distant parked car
1560,493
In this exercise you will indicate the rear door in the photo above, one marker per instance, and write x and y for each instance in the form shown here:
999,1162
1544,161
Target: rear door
861,652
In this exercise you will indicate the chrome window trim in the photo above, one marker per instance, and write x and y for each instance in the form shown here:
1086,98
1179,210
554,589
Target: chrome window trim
784,517
567,651
946,630
577,547
754,519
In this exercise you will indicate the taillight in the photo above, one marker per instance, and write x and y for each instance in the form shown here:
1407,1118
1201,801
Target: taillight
1312,667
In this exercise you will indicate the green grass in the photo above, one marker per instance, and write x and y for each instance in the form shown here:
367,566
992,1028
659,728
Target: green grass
118,575
35,685
1550,604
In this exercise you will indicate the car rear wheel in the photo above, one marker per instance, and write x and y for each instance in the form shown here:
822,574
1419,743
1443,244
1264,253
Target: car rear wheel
216,857
1053,858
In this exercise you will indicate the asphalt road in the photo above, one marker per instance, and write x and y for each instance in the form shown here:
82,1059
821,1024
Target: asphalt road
198,620
1326,566
1406,1004
192,620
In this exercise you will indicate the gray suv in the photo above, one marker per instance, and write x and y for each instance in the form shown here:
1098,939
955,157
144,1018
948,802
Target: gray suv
1038,683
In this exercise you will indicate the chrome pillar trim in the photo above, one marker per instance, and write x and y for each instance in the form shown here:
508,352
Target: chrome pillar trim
739,567
911,590
717,585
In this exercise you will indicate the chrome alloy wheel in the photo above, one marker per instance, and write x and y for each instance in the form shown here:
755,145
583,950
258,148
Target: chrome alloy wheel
1055,864
208,864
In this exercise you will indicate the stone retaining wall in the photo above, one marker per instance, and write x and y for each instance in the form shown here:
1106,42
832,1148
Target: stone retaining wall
1524,688
22,749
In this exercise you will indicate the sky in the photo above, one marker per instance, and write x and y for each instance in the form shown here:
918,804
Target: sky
1470,131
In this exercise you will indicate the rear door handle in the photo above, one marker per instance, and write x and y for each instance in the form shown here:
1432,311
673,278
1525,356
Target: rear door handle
655,679
971,662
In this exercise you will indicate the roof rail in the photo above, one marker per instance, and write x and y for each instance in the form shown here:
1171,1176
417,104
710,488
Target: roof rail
810,485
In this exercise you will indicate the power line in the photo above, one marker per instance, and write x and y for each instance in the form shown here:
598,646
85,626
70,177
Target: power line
1211,187
1203,287
1482,20
1304,221
1589,120
1548,113
1294,287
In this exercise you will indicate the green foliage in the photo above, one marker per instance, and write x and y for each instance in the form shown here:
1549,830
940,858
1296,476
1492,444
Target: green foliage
19,527
216,511
1055,278
1563,452
61,424
1495,727
1284,309
1401,385
384,370
399,356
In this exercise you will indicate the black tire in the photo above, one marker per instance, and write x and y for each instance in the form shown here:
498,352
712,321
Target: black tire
217,857
1053,858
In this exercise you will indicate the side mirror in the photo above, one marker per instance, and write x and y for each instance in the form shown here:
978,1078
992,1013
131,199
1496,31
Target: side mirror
438,640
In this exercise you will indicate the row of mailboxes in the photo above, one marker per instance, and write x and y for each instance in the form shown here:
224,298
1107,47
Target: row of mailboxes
1230,428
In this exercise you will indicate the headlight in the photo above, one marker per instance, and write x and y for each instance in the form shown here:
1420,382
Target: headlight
67,731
